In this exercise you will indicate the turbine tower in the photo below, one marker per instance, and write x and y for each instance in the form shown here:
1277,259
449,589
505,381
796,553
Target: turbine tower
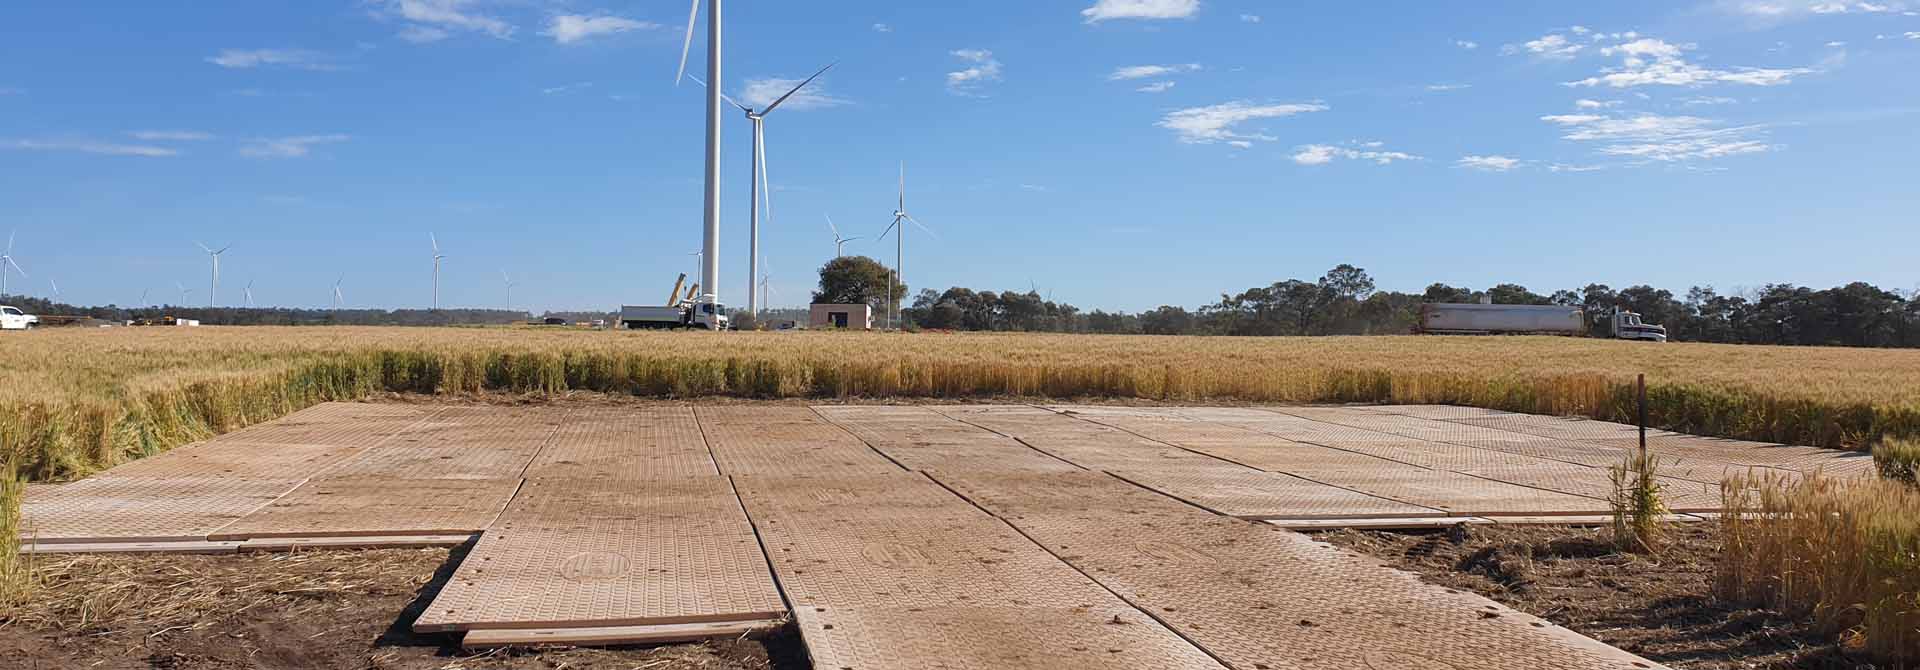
899,231
213,292
7,263
184,292
761,190
509,282
436,269
710,237
339,299
839,243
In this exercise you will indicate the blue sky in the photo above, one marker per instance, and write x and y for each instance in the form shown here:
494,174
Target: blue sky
1117,153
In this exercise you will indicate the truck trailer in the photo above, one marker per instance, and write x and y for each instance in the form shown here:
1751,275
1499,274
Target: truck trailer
679,312
1478,319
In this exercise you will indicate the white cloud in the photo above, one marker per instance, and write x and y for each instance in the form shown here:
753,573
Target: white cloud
1250,18
1103,10
1322,154
882,28
1442,88
1466,44
1699,101
566,88
1653,62
89,147
982,69
1913,36
1836,44
1488,163
572,28
240,59
762,91
1146,71
1774,11
1595,104
1652,137
1215,124
171,135
287,147
1552,46
434,20
1564,167
1157,87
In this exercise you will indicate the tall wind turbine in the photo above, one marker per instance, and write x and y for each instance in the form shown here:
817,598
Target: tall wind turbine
339,299
839,243
213,294
761,191
899,231
249,292
436,269
7,263
710,237
510,283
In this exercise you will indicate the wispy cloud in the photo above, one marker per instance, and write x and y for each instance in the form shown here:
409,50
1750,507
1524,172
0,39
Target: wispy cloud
1653,137
1106,10
241,59
288,147
435,20
762,91
1375,152
171,135
1442,88
88,147
1149,71
982,68
566,88
1250,18
574,28
882,28
1487,163
1653,62
1780,11
1157,87
1596,104
1216,124
1466,44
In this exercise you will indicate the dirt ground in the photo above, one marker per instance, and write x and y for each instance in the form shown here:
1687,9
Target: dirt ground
1658,606
331,609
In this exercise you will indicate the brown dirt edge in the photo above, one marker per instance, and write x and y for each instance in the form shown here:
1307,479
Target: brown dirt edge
1660,607
305,609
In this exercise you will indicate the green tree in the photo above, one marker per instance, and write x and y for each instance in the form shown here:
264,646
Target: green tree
852,280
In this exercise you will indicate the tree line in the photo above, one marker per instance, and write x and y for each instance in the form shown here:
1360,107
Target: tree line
280,316
1346,301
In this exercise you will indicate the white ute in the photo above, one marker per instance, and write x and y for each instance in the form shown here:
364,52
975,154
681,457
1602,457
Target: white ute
11,318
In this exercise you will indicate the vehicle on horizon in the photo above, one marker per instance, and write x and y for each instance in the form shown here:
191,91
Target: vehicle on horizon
11,318
679,312
1491,319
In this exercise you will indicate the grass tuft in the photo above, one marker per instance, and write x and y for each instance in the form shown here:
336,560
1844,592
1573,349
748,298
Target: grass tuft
1898,461
1639,512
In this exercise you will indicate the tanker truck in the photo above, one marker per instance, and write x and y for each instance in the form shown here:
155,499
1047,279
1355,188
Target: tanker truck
1487,319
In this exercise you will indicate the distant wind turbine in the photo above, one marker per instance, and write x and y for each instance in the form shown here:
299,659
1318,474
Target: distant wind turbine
900,216
249,292
184,292
761,190
339,299
143,296
7,262
213,294
436,269
510,284
839,243
56,289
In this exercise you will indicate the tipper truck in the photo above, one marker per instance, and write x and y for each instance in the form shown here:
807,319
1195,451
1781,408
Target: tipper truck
1486,319
679,312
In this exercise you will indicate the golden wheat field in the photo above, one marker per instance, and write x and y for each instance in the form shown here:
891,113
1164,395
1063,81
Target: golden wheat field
77,400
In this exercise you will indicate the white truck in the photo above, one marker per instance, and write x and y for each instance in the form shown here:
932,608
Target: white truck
679,312
11,318
1488,319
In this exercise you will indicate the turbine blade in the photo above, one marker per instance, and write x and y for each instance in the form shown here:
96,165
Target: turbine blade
203,247
223,250
766,185
834,228
856,237
16,266
903,186
10,235
883,233
917,224
723,95
796,89
436,243
692,18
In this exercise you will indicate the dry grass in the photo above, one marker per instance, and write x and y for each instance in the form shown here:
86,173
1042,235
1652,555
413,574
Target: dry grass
1898,460
1638,509
1845,553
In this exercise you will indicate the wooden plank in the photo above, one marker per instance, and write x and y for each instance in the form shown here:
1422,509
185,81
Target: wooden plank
364,542
481,639
177,547
1384,523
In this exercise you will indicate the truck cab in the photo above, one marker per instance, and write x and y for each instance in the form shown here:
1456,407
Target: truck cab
709,315
11,318
1628,326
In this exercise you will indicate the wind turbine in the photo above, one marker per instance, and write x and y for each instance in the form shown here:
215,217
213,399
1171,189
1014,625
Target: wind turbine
143,296
899,240
839,243
761,190
6,261
184,292
214,293
710,238
249,292
436,269
339,299
56,289
510,283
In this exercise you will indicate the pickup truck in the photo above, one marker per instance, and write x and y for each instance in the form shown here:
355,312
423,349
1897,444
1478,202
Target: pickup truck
11,318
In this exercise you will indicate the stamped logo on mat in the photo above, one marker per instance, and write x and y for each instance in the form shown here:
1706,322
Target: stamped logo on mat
593,566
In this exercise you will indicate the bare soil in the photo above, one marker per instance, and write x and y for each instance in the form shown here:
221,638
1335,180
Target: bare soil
317,609
1659,606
